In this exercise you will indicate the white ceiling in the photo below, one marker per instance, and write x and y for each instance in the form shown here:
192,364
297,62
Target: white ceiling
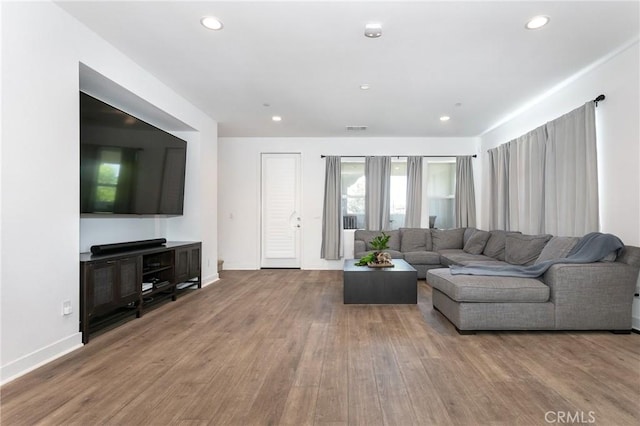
307,59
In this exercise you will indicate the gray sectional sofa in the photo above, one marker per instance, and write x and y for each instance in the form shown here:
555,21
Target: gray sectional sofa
591,296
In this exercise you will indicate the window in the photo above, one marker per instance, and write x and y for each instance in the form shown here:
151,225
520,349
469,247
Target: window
107,181
353,192
441,189
398,193
439,184
353,186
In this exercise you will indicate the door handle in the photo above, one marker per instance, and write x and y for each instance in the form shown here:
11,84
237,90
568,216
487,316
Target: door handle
297,219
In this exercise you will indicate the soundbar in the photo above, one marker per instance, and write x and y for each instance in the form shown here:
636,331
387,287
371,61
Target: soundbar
130,245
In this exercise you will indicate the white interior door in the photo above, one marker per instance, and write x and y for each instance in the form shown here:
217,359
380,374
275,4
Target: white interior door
281,219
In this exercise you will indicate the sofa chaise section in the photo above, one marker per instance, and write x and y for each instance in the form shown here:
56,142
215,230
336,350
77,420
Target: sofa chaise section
491,303
592,296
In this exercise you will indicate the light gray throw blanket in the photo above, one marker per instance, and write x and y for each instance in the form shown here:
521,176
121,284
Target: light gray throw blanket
592,247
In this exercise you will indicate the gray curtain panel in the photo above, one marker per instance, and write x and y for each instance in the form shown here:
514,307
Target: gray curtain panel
546,181
377,172
413,216
332,212
465,201
499,187
571,174
526,182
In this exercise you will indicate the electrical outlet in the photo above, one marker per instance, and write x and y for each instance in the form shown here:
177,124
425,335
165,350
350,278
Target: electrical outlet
66,307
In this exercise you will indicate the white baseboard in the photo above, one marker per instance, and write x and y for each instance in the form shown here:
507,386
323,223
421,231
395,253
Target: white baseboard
236,266
40,357
210,279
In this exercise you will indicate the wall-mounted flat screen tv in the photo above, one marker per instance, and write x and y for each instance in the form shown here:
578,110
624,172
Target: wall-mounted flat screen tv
127,166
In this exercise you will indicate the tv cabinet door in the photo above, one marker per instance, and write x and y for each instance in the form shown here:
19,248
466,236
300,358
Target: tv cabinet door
187,263
101,295
194,262
182,265
113,284
130,280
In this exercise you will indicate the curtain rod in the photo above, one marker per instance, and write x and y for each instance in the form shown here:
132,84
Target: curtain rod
398,156
598,98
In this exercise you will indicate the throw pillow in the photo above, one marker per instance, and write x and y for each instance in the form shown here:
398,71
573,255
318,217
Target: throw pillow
429,241
447,238
557,248
495,245
413,239
394,241
366,236
468,233
475,244
524,249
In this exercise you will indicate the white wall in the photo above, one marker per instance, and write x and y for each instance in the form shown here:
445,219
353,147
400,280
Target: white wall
618,134
239,187
200,218
42,47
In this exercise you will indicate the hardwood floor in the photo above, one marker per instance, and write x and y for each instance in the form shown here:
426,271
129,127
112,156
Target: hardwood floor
279,347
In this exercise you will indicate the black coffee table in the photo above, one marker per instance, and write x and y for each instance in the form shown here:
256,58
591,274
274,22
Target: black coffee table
397,285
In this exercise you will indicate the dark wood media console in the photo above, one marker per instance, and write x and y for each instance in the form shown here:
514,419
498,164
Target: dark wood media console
119,285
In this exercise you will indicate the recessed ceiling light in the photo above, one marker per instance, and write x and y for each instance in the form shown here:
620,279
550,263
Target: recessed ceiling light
445,118
365,87
537,22
211,22
276,118
373,30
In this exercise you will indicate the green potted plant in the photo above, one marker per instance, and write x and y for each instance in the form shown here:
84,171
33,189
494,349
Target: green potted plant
381,242
378,258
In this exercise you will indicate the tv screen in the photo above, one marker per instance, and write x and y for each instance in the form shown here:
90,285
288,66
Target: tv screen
127,166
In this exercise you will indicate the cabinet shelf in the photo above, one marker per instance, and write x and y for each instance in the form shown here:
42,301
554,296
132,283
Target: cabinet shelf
164,289
156,270
157,299
164,286
187,284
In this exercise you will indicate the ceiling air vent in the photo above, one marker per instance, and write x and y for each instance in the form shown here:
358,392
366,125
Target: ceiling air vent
356,128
